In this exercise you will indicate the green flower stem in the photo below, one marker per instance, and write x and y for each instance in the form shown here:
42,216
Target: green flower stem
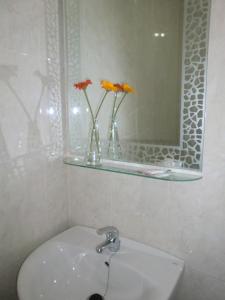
96,115
93,123
114,113
99,107
118,106
112,117
114,105
89,105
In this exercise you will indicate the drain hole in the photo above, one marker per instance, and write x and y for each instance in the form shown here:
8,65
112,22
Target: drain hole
95,297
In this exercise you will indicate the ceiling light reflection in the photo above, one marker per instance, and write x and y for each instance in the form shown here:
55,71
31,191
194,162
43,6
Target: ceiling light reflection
159,34
50,111
75,110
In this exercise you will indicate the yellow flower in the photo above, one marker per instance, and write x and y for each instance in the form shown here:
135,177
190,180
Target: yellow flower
108,86
127,88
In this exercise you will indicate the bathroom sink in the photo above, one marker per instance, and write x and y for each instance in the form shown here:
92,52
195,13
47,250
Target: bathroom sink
68,267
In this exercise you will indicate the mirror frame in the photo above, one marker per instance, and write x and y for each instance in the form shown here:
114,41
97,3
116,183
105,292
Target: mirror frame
194,79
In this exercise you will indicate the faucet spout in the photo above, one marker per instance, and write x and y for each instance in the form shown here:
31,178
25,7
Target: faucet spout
112,241
102,246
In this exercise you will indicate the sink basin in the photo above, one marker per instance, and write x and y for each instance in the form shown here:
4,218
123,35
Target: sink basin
67,267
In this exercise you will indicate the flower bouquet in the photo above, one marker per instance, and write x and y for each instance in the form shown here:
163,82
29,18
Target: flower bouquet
93,155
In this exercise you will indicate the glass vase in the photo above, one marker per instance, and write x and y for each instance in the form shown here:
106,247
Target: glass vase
114,148
93,157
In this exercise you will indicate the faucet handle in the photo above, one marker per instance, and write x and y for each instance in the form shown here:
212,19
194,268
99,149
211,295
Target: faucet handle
109,231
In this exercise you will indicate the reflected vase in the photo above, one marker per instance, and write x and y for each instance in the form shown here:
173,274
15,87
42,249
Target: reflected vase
93,156
114,148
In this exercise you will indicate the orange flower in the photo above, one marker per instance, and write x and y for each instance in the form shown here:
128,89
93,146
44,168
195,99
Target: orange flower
83,84
108,86
119,87
127,88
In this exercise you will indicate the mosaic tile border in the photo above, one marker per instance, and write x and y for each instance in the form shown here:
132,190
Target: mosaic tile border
196,27
55,149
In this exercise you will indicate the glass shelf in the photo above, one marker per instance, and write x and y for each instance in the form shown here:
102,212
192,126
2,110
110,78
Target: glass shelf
150,171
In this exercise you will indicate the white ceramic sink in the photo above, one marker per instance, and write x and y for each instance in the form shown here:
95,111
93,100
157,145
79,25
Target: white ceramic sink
67,267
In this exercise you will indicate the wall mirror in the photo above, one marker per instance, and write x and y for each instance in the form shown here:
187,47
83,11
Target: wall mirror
159,49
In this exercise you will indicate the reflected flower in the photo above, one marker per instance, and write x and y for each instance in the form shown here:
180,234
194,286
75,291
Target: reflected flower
127,88
83,84
119,87
108,86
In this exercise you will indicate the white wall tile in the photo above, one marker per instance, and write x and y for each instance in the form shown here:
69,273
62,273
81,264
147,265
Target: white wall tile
33,196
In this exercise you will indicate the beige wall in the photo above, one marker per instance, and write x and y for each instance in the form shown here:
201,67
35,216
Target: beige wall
185,219
118,44
33,203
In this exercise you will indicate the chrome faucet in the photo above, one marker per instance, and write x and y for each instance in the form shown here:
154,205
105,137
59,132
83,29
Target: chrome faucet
112,241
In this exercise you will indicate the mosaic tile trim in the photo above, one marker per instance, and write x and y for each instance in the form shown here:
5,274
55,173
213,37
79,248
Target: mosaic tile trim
53,71
72,23
189,153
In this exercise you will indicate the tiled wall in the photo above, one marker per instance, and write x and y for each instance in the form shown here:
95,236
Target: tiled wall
186,219
33,197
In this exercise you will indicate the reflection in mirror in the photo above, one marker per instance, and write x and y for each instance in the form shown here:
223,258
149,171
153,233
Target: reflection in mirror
140,43
160,48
